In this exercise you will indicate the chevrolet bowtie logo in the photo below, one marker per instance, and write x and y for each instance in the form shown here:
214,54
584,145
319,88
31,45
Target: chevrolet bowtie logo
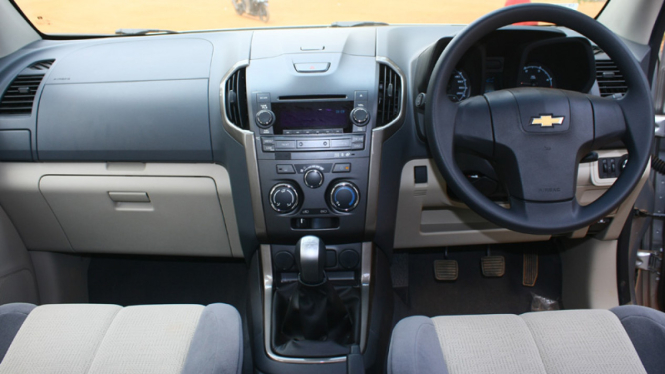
547,120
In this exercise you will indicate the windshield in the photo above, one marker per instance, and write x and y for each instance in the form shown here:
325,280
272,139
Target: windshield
108,16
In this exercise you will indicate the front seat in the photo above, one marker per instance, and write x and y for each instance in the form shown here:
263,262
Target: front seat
99,338
627,339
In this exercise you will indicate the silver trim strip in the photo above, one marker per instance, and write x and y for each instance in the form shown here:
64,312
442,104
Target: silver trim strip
266,268
379,135
246,139
365,283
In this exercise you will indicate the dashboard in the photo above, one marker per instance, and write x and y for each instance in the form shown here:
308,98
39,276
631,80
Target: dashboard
298,131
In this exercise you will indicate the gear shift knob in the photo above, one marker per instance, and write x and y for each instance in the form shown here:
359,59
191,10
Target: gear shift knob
311,259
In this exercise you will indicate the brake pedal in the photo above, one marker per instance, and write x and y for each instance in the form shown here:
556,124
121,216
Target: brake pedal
493,266
530,269
446,270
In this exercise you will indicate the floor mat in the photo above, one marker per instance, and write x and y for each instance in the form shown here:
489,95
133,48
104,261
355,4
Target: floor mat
472,293
173,280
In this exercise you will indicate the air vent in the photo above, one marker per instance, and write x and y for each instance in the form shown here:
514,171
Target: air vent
20,95
390,89
42,65
610,80
236,99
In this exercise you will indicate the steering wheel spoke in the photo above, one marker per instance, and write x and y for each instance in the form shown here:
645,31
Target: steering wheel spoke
473,127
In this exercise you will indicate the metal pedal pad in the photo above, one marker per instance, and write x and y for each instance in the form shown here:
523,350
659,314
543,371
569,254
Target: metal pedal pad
446,270
493,266
530,269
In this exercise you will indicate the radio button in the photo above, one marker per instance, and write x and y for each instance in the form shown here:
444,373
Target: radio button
358,138
263,97
285,144
361,95
340,143
268,148
265,118
324,143
360,116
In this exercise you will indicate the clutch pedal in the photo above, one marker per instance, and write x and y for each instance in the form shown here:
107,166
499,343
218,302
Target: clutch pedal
493,266
446,270
530,269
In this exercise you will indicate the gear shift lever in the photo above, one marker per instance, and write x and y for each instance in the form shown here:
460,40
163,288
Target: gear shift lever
311,260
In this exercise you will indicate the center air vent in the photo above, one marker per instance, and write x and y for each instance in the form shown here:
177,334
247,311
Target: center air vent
20,95
236,99
390,89
610,80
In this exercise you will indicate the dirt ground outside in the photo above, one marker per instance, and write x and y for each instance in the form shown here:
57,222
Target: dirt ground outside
106,16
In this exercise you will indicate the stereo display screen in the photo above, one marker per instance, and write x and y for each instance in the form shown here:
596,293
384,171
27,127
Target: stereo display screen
312,115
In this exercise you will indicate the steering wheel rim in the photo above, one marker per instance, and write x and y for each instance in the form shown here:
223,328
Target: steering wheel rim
524,215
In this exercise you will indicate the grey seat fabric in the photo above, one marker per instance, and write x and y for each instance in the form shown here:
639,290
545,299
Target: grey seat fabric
646,329
11,319
97,338
574,341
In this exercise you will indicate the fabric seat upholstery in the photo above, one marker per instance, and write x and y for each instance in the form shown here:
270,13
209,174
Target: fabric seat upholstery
575,341
98,338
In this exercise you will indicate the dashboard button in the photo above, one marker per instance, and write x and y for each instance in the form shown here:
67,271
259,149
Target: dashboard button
268,148
285,169
285,144
265,118
361,95
263,97
340,143
342,168
313,178
360,116
312,67
313,143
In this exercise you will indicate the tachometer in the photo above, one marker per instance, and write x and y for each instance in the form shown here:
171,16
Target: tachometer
535,76
459,87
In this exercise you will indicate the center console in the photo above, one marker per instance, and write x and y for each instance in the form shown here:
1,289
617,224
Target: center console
317,113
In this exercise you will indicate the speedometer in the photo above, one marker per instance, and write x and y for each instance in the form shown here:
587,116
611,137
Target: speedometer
459,87
535,76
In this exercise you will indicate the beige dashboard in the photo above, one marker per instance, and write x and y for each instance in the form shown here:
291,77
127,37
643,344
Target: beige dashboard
428,217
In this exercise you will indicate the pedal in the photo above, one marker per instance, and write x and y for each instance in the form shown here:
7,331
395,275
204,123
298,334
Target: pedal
493,266
446,270
530,269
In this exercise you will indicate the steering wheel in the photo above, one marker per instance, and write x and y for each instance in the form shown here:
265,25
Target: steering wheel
536,137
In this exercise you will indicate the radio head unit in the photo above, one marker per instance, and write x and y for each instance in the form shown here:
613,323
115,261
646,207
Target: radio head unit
292,118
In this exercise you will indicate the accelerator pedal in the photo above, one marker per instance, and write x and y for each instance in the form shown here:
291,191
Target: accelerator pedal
493,266
446,270
530,269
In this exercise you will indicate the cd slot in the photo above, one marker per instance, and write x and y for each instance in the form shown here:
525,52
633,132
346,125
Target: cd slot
313,97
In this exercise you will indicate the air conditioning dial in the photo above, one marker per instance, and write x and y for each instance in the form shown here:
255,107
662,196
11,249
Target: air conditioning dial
284,198
344,196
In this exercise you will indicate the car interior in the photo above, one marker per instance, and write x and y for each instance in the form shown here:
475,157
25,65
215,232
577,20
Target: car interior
360,197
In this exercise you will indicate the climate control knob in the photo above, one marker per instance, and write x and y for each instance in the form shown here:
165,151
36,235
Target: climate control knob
344,196
284,198
313,178
360,116
265,118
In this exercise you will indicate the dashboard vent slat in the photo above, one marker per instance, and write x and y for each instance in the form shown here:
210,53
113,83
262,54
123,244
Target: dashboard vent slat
390,88
610,80
19,97
236,99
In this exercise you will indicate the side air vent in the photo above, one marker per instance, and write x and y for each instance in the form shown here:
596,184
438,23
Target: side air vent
610,80
236,99
20,95
390,89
